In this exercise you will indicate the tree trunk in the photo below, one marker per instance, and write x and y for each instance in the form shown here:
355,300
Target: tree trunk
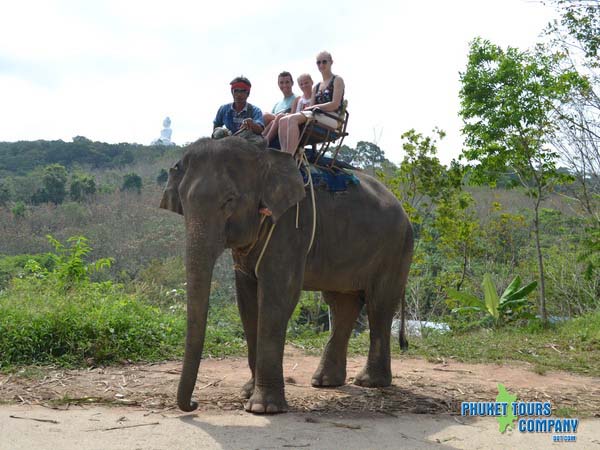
464,267
536,229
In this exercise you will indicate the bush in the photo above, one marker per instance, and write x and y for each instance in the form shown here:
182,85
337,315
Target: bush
95,323
18,210
224,331
162,177
161,281
82,187
576,342
14,266
511,305
168,272
132,182
570,292
54,185
54,313
310,316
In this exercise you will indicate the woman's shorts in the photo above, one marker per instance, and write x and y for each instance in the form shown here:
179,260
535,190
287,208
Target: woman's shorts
321,118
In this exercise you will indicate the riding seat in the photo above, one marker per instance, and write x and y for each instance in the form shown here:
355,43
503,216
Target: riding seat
320,136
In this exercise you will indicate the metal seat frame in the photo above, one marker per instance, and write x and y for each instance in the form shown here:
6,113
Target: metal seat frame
315,134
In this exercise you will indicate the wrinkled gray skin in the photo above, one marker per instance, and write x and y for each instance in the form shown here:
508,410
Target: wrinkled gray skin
361,254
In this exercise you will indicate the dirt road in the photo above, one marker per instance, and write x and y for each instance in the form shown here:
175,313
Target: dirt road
132,406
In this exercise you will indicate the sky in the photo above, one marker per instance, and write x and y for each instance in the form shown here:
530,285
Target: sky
113,70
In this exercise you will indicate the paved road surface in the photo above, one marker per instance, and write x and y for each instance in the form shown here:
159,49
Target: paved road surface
37,427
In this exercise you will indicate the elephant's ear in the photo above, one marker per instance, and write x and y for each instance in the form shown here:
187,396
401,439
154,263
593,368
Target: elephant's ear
170,199
283,186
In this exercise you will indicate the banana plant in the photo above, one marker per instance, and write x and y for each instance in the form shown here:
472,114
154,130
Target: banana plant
512,304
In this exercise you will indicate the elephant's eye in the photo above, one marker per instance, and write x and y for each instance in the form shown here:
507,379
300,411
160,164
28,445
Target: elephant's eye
229,202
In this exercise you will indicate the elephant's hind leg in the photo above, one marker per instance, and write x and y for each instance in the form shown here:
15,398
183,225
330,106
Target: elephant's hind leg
381,306
345,308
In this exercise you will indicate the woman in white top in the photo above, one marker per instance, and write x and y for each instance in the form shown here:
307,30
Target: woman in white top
305,83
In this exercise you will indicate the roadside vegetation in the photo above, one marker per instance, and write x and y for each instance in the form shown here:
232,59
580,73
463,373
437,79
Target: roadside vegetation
51,312
507,250
572,346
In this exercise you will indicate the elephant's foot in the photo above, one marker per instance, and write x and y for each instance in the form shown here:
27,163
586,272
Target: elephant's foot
329,376
264,401
248,388
371,377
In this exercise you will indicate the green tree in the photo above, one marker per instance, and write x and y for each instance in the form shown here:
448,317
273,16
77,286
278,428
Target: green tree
132,182
575,38
162,177
505,236
440,213
421,180
20,158
579,24
6,193
82,186
54,182
458,228
433,196
18,210
507,103
365,155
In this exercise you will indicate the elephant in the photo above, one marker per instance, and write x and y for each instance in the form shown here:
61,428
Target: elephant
362,245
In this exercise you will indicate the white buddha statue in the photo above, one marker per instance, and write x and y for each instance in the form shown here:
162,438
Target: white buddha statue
165,134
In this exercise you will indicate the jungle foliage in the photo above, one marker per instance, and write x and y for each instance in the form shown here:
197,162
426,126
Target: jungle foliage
20,158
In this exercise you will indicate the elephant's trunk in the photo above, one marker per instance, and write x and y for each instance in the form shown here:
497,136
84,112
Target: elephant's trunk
200,261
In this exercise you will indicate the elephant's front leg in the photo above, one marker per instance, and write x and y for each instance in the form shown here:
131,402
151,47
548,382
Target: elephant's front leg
246,287
278,292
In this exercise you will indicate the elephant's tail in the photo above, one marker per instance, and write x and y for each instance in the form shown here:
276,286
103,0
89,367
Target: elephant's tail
402,339
407,255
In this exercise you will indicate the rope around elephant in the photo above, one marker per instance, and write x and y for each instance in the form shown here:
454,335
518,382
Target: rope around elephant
303,161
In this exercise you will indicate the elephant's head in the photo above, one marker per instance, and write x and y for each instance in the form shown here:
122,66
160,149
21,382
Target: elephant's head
219,187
